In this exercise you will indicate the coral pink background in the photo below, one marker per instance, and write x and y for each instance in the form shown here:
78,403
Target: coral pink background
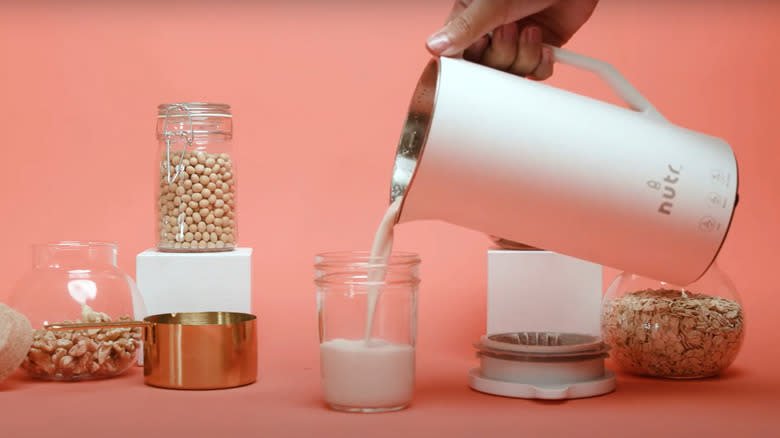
319,91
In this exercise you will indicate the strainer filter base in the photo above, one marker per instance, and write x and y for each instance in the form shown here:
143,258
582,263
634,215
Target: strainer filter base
591,388
542,365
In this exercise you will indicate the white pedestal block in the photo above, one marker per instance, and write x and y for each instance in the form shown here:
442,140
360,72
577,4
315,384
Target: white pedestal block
195,282
542,291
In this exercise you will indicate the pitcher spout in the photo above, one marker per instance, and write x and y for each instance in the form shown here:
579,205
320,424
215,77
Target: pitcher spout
415,131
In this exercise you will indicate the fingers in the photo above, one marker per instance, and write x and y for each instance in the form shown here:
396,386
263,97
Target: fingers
503,49
515,46
522,54
529,51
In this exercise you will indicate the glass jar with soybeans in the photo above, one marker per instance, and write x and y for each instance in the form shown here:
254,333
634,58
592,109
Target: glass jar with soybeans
196,196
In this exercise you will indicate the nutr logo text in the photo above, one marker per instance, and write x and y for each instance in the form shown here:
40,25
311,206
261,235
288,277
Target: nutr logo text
667,189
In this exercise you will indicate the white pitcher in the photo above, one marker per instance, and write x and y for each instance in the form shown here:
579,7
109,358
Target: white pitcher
532,163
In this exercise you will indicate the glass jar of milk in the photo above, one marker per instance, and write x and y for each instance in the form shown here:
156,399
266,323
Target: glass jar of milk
367,310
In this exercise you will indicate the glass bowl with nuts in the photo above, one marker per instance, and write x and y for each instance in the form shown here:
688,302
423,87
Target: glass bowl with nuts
78,282
662,330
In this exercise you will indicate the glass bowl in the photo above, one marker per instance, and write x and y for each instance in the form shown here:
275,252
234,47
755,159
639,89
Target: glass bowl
662,330
78,282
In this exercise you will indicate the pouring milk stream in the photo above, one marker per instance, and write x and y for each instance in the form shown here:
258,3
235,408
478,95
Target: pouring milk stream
380,254
349,385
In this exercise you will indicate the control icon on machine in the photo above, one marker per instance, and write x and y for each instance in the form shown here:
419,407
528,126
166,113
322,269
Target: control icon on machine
718,177
715,199
708,223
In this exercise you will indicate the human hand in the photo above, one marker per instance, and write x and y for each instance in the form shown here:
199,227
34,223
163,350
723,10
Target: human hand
519,27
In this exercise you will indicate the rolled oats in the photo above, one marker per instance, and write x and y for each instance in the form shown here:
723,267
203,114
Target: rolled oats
672,333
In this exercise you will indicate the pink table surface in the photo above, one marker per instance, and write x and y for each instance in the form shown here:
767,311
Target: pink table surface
286,401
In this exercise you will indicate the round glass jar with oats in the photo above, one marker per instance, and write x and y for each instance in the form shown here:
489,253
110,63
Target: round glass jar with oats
196,195
661,330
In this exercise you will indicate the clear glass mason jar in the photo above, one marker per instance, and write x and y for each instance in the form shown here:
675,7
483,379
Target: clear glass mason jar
662,330
367,311
78,282
196,196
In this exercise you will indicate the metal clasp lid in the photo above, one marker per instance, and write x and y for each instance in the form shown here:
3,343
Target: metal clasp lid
189,137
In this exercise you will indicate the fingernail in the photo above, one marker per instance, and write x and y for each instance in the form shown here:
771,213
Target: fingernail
546,55
534,35
524,34
439,43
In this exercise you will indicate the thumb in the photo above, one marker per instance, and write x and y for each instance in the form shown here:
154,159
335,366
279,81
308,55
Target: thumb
467,27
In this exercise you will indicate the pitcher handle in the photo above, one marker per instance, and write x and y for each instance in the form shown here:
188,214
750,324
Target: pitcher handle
612,77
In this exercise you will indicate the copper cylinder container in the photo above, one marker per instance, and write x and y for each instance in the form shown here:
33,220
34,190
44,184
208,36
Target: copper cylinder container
200,350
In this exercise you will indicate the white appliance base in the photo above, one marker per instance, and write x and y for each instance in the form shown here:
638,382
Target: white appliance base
591,388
